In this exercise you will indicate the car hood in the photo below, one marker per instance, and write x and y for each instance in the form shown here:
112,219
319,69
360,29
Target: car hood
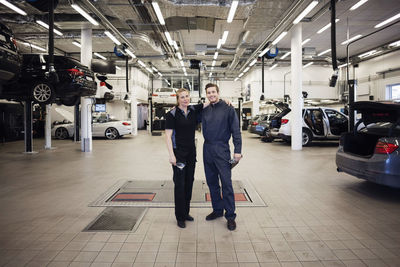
372,112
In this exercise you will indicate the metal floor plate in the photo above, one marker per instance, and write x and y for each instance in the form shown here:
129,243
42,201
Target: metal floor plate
164,194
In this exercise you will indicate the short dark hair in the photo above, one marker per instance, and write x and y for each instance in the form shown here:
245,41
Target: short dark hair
208,85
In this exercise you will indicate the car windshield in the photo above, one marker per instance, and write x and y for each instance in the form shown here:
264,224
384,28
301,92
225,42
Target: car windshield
165,90
381,128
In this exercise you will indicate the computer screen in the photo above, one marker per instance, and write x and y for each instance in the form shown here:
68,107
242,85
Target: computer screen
100,108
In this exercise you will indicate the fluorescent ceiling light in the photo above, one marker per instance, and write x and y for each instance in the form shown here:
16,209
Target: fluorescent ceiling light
241,74
149,70
246,69
324,52
210,74
232,11
273,66
358,4
118,68
115,40
305,12
15,8
175,45
100,56
85,14
351,39
308,64
213,63
237,78
158,13
185,74
286,55
47,27
141,63
367,54
224,37
264,52
182,64
395,44
156,70
169,39
219,44
179,55
387,21
326,27
212,68
343,65
35,46
76,43
167,81
305,41
159,73
253,62
280,37
215,55
184,69
129,52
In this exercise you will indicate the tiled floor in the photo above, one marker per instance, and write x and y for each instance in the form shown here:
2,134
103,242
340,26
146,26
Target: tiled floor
315,216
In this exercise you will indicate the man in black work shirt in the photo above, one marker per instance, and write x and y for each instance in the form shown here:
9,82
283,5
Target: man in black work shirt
219,123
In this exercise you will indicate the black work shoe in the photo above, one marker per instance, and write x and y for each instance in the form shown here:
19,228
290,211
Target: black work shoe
189,218
231,224
181,224
213,215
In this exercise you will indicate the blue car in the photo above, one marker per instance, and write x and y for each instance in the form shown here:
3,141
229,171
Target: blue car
372,152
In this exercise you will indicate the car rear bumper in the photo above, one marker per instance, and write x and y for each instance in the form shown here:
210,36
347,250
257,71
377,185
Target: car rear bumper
78,89
371,169
277,135
125,131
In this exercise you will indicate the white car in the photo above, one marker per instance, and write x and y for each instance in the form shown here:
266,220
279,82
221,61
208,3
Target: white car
318,123
110,129
164,96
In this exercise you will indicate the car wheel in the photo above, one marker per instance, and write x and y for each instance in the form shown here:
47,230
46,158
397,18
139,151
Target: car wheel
70,101
61,133
43,93
307,137
111,133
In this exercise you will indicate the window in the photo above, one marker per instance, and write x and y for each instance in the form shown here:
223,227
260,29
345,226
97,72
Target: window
394,91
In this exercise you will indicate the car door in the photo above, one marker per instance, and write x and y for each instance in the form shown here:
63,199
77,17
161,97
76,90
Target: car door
314,119
338,123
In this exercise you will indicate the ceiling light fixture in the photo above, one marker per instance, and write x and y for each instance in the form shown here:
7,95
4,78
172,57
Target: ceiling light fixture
387,21
219,44
305,41
246,69
149,70
158,13
241,74
237,78
13,7
358,4
395,44
280,37
367,54
167,81
215,55
273,66
118,68
213,63
179,55
159,73
141,63
182,64
156,70
175,45
212,68
264,52
253,62
286,55
41,23
100,56
76,43
305,12
85,14
109,35
351,39
224,37
210,74
169,39
308,64
35,46
232,11
184,69
324,52
343,65
326,27
129,52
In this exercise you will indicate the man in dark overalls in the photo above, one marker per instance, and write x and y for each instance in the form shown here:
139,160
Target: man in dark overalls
219,123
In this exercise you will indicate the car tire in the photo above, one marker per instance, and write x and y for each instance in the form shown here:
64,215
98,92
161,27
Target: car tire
61,133
306,137
71,101
111,133
42,93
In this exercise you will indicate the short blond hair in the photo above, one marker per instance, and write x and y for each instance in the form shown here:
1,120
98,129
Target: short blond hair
178,92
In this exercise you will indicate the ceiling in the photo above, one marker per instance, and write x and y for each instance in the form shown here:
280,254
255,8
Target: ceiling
196,26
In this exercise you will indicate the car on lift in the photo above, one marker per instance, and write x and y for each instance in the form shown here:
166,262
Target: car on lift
72,80
10,59
319,123
102,127
372,152
164,95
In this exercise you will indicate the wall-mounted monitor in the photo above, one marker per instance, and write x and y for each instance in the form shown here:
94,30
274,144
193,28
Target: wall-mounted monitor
100,107
103,66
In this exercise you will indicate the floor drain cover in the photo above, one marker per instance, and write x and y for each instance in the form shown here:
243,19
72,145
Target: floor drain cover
238,197
117,219
134,197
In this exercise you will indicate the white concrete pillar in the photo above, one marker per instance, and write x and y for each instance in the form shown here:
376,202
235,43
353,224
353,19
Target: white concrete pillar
86,102
296,88
134,115
47,128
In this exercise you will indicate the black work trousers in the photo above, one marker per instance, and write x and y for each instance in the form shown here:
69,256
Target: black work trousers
183,180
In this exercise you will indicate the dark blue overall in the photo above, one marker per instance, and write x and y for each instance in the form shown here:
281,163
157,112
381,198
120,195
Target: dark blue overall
219,123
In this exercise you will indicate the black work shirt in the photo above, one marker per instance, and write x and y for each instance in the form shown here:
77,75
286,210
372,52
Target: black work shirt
183,126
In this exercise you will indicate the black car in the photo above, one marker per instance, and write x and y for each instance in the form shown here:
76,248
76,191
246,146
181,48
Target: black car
10,59
72,80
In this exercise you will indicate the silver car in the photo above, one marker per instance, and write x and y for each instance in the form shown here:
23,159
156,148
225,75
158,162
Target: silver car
372,153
